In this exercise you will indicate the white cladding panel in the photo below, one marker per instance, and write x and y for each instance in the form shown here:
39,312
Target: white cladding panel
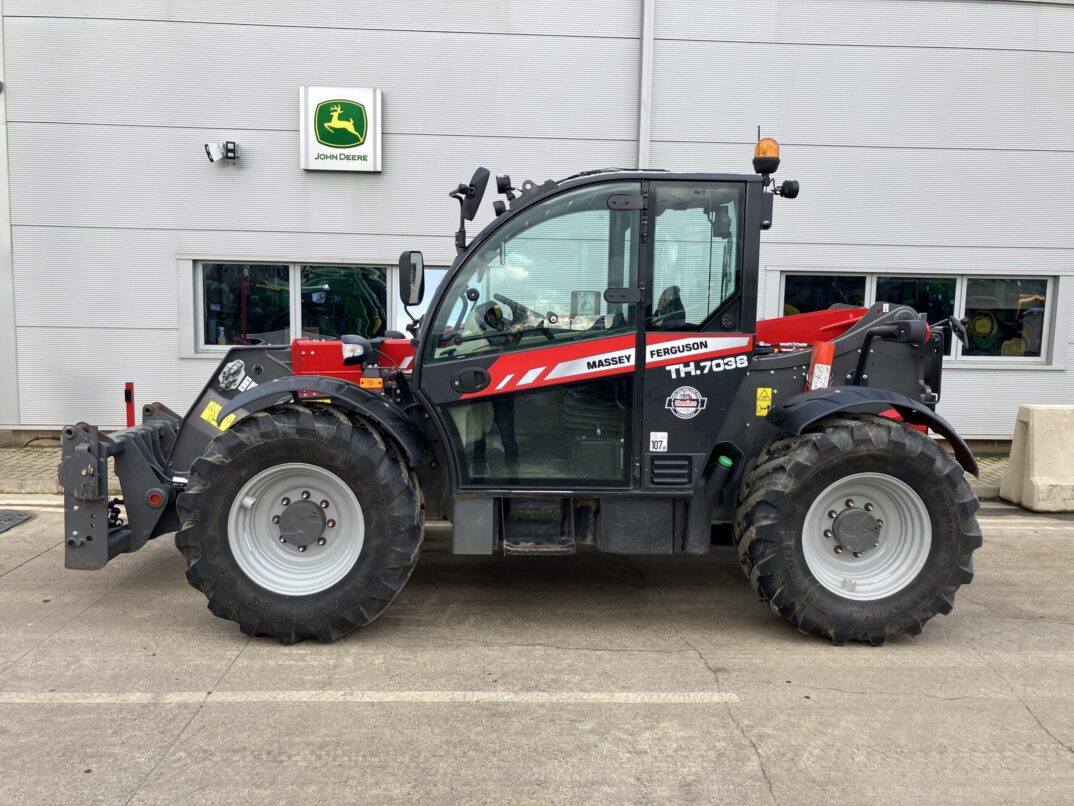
149,177
217,77
608,18
887,23
916,197
926,134
887,97
985,403
67,375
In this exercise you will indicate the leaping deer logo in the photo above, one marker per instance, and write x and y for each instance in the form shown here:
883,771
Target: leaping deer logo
336,123
340,123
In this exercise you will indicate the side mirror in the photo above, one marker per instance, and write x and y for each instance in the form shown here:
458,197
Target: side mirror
411,278
477,192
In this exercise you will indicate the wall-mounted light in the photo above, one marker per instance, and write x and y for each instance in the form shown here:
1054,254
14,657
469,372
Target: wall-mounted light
227,151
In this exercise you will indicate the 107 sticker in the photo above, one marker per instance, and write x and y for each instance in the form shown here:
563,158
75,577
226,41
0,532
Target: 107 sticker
706,367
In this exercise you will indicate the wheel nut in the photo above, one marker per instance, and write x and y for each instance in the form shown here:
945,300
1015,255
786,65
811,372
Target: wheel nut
286,501
832,513
275,518
849,503
879,522
857,553
301,548
331,523
321,541
324,504
305,494
283,539
868,507
838,549
828,533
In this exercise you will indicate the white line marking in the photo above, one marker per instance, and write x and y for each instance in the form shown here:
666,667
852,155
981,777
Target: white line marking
531,376
223,697
505,381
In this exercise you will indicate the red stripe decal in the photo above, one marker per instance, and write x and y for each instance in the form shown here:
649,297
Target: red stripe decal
602,358
554,365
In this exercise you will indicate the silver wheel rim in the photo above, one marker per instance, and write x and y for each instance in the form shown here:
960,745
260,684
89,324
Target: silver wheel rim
904,537
283,567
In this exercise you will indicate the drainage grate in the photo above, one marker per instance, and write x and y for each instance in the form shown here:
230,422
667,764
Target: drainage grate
11,517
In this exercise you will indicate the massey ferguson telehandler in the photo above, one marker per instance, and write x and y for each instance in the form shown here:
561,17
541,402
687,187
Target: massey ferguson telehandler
590,371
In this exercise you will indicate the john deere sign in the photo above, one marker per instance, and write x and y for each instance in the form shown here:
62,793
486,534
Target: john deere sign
336,131
340,128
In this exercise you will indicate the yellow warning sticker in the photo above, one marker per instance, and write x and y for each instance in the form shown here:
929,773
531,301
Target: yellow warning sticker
764,400
212,411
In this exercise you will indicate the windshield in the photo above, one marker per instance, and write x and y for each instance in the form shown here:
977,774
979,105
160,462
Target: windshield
541,278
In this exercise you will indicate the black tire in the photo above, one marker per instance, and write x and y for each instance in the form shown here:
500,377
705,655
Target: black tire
358,455
792,471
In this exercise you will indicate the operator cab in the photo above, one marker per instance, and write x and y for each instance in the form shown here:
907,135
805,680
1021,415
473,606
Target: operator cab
549,357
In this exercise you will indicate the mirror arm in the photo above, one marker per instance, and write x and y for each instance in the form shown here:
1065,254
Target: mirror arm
460,237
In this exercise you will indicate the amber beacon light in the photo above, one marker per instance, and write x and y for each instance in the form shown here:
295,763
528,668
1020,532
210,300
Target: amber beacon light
766,156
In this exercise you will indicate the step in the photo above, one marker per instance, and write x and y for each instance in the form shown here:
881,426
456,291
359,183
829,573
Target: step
539,546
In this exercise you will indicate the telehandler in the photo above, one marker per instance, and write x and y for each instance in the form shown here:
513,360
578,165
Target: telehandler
591,371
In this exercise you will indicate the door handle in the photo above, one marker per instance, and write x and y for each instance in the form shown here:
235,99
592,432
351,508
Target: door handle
470,380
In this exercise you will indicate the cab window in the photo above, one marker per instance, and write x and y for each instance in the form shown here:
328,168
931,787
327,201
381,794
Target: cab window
541,278
696,251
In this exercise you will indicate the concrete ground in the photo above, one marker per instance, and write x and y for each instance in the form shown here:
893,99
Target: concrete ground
492,680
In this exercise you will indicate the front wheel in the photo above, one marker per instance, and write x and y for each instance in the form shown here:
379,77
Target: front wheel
300,523
860,529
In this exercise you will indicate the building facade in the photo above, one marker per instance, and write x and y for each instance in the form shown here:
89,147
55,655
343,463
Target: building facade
932,141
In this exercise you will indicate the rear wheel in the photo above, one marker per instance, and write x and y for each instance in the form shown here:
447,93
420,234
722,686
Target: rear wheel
300,523
859,529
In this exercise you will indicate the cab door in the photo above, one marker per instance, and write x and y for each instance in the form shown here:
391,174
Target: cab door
696,353
528,360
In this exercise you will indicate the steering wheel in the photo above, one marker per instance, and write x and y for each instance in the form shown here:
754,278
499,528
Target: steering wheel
489,317
517,308
496,329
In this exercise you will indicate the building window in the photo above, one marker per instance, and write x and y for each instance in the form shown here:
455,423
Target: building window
245,303
1006,317
344,299
806,293
263,303
933,296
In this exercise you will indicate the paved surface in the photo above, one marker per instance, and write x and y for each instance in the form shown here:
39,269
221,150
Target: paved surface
31,469
497,680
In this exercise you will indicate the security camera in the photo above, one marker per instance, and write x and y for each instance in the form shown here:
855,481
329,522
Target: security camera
228,150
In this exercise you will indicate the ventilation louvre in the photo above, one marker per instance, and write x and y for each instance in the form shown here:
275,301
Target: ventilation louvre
670,471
